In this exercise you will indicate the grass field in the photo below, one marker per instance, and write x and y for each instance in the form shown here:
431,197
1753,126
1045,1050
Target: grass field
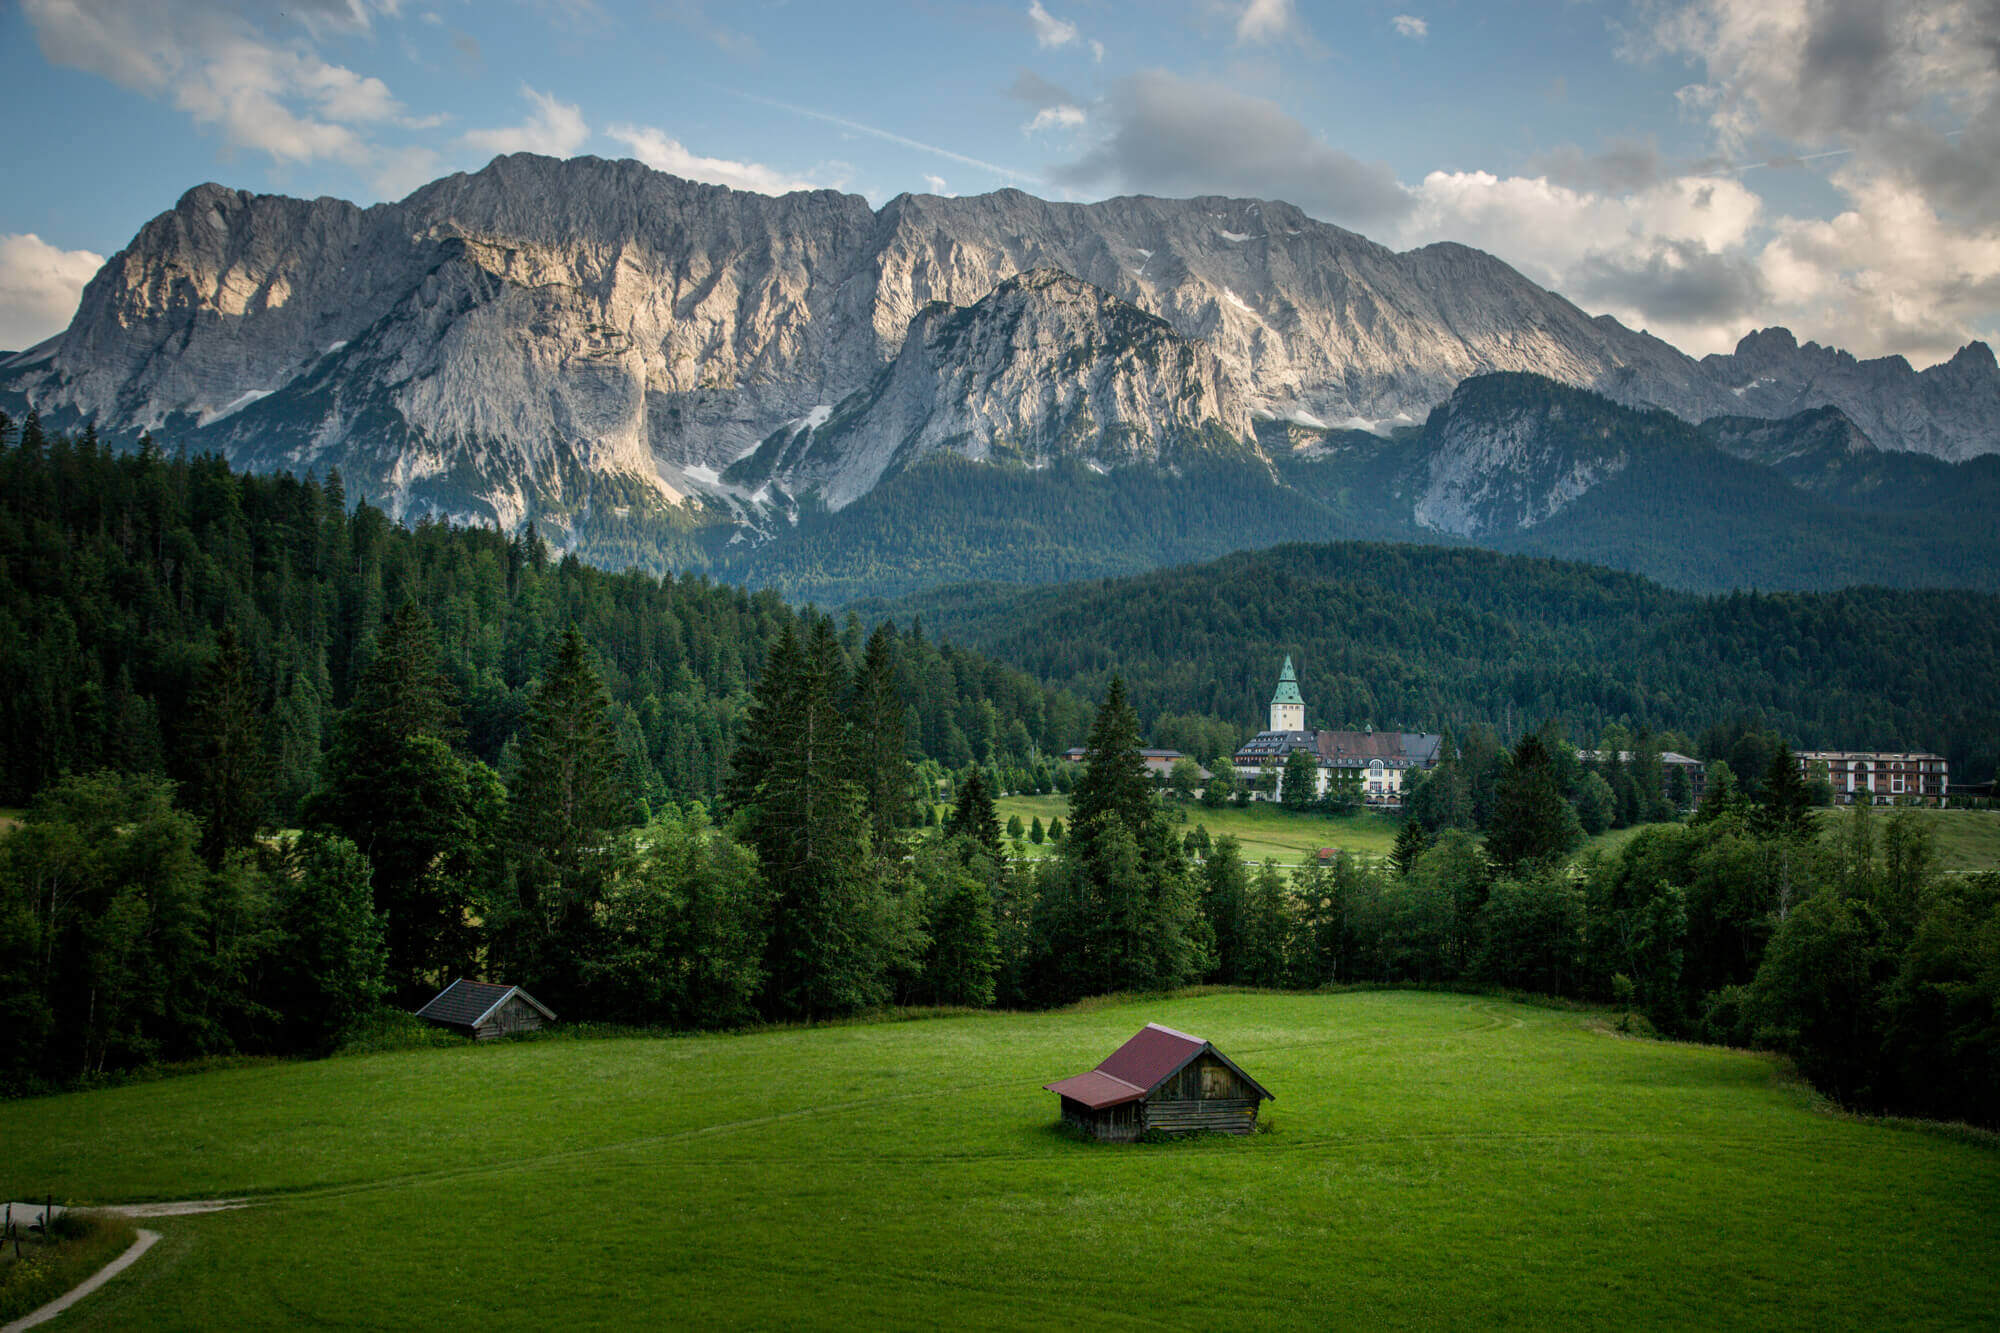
1262,829
1434,1160
1966,839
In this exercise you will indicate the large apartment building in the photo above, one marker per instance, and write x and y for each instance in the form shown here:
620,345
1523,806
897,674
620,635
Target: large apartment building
1878,777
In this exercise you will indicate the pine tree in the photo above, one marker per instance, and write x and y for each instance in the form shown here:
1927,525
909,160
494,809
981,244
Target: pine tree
569,798
877,715
832,930
1532,822
422,816
1784,803
1411,843
226,760
1113,784
1036,833
973,816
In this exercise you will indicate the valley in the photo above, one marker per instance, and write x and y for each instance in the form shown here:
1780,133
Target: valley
1466,1160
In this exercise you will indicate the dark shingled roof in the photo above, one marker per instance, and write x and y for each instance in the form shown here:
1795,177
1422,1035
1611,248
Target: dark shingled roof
1154,1055
463,1003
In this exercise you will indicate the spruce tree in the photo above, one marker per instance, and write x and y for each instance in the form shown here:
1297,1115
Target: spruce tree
832,930
228,772
1784,803
1411,843
568,800
1113,785
422,816
1532,822
877,716
973,816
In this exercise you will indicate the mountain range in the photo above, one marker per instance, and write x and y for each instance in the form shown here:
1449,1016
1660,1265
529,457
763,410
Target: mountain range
666,373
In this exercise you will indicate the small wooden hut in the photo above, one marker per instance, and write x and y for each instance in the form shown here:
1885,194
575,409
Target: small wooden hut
484,1009
1164,1080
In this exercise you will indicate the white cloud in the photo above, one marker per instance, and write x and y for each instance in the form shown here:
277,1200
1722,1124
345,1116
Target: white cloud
662,152
1409,25
1050,31
1670,257
555,128
936,185
1059,117
1266,21
1901,103
39,287
271,94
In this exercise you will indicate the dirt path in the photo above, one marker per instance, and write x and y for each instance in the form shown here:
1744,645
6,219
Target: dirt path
88,1285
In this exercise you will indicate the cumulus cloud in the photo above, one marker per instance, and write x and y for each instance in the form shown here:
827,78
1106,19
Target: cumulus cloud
1056,108
664,153
39,287
1175,136
1902,102
555,128
1266,21
1669,257
1050,31
1409,25
275,96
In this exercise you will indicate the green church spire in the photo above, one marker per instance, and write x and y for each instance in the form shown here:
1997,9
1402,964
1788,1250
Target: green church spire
1288,686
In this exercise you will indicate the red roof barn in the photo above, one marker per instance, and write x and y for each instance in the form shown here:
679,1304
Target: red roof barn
1164,1080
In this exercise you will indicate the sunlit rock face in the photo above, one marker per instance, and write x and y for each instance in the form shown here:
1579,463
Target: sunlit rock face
546,336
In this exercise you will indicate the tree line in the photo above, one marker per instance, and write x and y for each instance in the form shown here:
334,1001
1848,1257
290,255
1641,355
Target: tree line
1437,639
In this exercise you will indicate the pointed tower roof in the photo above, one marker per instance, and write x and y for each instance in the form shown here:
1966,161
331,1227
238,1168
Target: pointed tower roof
1288,686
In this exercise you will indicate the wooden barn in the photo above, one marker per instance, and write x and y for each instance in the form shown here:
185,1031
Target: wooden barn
484,1009
1164,1080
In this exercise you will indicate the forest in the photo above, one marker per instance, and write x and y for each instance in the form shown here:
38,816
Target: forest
120,572
291,768
1435,639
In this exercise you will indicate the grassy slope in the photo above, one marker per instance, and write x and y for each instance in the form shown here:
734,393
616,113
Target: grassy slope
1966,839
1262,829
1435,1159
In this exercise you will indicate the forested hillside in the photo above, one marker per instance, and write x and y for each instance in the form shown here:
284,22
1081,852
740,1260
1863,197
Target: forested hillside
1430,639
120,573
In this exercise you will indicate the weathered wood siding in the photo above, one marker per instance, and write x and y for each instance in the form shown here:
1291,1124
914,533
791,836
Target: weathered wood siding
517,1015
1207,1094
1115,1124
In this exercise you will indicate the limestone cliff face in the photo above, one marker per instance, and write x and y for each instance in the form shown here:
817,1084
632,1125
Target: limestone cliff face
555,337
1950,411
1045,368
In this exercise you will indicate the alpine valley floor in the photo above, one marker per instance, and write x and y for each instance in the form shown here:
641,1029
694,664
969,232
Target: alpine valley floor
1432,1159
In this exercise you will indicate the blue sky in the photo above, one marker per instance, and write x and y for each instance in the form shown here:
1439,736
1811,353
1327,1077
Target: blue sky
1697,167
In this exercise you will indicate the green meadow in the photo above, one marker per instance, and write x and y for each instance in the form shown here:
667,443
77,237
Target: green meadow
1432,1159
1965,839
1262,828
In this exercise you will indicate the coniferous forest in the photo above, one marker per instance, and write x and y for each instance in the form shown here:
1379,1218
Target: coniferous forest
287,766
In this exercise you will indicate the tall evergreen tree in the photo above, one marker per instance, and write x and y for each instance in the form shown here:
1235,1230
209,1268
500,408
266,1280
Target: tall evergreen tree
877,715
422,816
227,770
973,815
568,800
1532,821
833,932
1784,802
1113,785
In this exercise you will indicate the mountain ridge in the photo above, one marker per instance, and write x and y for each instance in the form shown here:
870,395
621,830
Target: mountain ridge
490,345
